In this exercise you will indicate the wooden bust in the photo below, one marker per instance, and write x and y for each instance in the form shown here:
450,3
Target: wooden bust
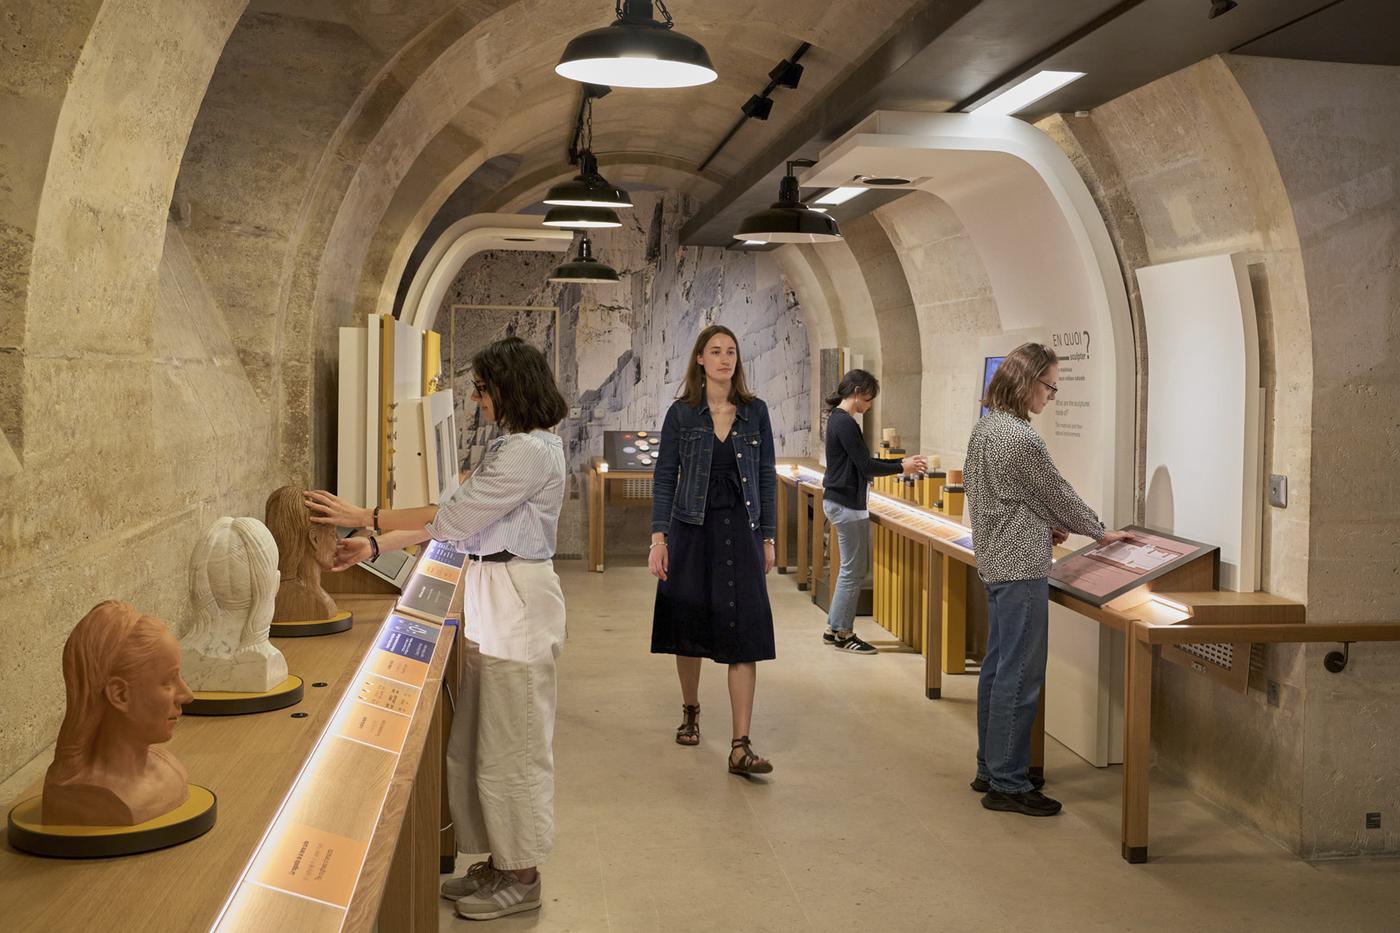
121,672
304,550
233,586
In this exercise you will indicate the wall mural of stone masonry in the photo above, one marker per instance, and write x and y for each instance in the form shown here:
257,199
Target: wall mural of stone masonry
622,349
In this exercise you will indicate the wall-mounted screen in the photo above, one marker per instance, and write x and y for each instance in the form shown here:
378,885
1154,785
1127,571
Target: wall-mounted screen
989,369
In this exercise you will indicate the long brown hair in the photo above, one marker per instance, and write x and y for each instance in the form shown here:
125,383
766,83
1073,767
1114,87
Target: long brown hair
113,640
692,391
1010,389
297,536
522,389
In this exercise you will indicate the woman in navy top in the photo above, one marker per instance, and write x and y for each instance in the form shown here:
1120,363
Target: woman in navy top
713,498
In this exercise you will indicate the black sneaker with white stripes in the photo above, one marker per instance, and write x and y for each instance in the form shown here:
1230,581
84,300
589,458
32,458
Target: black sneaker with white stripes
828,636
854,644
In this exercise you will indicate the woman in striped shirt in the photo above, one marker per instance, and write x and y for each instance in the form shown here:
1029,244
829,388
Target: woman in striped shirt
504,517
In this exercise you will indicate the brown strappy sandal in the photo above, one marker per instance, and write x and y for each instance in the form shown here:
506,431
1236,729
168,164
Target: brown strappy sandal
748,762
688,732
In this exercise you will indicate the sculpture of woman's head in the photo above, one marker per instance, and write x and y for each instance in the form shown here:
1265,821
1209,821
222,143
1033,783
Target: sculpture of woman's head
233,578
121,673
298,538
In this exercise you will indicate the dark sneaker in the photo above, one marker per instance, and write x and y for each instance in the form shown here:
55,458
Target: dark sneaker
829,637
1031,803
981,785
854,644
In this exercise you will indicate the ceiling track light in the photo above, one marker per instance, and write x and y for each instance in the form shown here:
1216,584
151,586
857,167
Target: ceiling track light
637,51
788,220
1221,7
585,270
787,73
758,108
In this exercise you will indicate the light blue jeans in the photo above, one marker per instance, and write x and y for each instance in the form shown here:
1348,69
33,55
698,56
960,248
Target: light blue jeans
853,538
1013,673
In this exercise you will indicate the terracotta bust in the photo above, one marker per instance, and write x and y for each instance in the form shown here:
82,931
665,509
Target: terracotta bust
233,586
304,550
121,672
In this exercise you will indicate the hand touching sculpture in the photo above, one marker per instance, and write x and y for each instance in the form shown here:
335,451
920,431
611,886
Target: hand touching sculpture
233,586
304,550
121,672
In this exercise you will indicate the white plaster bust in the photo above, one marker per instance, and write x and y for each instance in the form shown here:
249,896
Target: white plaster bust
233,585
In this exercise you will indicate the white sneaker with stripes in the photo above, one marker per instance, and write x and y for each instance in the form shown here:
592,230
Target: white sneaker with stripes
498,896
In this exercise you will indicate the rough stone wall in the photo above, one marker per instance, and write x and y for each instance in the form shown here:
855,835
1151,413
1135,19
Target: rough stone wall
1333,132
1184,169
955,307
624,348
129,419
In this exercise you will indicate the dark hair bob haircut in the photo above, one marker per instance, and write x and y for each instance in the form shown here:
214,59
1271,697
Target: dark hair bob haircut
1011,387
857,380
522,388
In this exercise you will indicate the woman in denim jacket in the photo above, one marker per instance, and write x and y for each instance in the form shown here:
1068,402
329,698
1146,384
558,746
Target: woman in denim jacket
713,524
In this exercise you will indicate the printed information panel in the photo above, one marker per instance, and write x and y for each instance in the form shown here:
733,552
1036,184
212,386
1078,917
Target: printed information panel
1100,573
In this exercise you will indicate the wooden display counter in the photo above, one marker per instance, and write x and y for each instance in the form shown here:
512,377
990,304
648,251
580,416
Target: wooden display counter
329,811
922,571
623,488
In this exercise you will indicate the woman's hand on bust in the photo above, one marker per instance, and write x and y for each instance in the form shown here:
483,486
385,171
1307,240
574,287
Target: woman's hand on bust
349,552
329,509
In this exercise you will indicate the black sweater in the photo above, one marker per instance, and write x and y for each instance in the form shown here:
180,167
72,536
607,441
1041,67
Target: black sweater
849,466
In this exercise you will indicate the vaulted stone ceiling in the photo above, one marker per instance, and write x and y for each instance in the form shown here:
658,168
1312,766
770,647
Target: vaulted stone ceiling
487,71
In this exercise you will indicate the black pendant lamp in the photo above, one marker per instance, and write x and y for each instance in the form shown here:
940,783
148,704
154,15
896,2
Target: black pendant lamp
587,189
585,270
582,218
637,51
788,220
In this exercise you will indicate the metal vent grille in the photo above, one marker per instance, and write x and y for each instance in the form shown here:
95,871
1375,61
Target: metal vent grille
1221,655
636,489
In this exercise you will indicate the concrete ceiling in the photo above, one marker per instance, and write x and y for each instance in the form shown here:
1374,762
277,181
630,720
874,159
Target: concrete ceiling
1119,44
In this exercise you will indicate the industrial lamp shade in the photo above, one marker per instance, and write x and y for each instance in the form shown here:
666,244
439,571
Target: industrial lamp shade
637,51
585,270
587,189
581,218
788,220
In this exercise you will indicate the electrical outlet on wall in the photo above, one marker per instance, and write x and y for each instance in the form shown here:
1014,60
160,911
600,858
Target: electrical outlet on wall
575,413
1373,821
1278,491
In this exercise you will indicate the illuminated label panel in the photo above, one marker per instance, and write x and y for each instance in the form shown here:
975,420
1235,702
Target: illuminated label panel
299,858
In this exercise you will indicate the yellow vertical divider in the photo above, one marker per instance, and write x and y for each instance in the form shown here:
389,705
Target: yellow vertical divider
898,615
911,626
954,616
878,548
923,601
432,359
386,398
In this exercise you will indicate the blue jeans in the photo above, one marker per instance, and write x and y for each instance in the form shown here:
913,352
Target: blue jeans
853,538
1013,673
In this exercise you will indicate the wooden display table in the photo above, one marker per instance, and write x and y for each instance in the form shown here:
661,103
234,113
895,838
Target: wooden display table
1181,618
357,786
626,488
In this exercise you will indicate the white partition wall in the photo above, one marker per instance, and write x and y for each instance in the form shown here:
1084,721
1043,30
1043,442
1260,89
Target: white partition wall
1054,273
1204,432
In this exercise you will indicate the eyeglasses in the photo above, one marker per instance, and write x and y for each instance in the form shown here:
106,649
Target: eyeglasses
1054,390
478,387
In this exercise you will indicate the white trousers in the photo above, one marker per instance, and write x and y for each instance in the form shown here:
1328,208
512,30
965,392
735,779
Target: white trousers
500,757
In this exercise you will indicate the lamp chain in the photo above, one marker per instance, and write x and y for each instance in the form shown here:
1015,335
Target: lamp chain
621,7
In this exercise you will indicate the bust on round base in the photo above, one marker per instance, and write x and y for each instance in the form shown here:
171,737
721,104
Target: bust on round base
340,622
232,703
29,833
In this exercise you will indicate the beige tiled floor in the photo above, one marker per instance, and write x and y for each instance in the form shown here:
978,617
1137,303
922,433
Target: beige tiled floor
867,823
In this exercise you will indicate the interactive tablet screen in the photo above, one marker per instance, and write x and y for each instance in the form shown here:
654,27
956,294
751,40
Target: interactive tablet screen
989,369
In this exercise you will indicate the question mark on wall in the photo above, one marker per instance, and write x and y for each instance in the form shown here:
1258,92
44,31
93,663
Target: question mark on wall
1086,344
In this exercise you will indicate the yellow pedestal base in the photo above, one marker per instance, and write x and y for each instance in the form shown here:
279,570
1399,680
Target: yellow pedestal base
340,622
228,703
193,818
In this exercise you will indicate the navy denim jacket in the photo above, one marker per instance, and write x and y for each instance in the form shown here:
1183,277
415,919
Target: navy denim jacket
682,476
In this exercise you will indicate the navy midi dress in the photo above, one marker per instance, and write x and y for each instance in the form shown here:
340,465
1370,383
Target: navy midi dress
714,603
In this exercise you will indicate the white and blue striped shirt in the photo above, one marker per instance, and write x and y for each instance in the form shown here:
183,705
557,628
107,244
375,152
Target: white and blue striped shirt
511,502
